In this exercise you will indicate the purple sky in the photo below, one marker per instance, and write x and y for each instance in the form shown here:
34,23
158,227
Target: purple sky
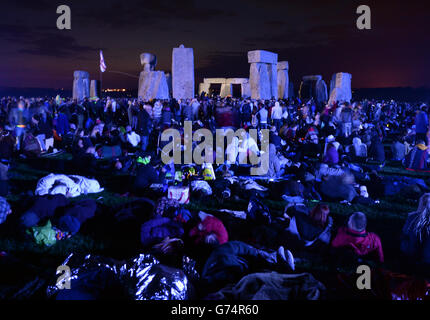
316,37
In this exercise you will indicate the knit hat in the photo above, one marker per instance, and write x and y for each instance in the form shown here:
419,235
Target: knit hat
4,209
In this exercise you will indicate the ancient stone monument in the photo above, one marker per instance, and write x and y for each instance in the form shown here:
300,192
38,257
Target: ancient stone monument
95,88
283,80
81,85
226,86
313,87
263,74
152,84
340,87
183,73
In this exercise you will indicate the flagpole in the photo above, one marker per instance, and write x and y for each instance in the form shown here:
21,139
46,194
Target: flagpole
101,84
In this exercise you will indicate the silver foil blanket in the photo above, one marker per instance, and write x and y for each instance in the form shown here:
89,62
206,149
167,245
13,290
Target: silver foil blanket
143,277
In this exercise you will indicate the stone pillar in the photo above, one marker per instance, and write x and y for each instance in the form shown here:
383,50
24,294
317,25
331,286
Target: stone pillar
183,73
315,87
152,84
95,88
81,85
283,80
340,87
226,90
263,74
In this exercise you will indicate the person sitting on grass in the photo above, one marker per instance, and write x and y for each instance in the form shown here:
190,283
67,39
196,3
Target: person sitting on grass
354,236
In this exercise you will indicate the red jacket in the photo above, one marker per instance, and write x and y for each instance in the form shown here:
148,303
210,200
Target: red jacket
363,243
207,226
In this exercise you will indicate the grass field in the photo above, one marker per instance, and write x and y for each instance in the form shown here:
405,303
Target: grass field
29,267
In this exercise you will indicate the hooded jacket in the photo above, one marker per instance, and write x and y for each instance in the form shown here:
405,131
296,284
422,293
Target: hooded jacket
363,243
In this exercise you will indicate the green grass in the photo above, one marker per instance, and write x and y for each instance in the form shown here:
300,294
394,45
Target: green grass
385,218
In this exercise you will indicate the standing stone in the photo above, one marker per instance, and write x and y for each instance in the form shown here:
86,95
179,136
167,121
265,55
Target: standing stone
95,88
183,73
340,87
152,84
283,80
263,74
81,85
313,87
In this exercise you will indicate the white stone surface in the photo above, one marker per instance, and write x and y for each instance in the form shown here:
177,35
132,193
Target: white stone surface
262,56
183,73
81,85
263,74
340,87
283,65
153,85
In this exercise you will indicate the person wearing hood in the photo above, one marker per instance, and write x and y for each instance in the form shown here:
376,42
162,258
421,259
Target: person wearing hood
355,237
145,176
417,159
331,156
276,115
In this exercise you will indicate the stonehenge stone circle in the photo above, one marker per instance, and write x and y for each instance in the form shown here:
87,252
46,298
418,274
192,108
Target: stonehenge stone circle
183,73
263,74
81,85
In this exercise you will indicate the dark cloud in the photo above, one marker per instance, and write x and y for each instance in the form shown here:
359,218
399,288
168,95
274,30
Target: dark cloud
57,45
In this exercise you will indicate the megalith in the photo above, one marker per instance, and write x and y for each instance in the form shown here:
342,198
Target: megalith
183,73
94,88
283,79
152,84
81,85
340,87
313,87
263,74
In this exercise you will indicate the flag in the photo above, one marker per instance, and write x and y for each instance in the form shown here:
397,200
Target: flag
102,62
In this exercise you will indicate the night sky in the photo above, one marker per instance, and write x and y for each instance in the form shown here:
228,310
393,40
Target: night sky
316,37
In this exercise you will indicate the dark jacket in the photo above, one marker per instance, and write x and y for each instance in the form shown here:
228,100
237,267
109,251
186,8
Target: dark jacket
411,246
157,229
143,123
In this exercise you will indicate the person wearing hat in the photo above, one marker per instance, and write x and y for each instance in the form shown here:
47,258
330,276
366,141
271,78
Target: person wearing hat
354,236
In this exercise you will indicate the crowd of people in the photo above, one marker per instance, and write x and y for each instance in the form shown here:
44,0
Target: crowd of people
319,154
